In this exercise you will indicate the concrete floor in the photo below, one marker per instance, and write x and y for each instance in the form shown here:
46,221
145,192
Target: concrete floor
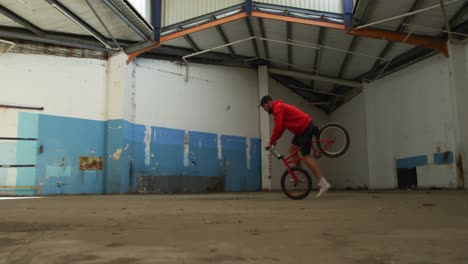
342,227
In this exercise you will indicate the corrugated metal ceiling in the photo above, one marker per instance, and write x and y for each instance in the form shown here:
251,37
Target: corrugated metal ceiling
332,6
331,60
177,10
237,30
359,64
46,17
432,18
302,56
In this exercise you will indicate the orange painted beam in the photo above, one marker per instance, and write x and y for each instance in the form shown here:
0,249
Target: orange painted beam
133,55
185,32
211,24
299,20
427,42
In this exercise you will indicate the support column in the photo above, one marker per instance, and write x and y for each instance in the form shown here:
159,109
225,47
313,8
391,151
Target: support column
459,68
264,129
120,104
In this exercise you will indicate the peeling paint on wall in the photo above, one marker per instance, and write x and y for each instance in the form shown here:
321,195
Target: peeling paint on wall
220,148
247,152
460,172
132,93
147,144
186,149
116,155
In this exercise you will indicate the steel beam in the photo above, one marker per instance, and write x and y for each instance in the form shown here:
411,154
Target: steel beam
196,21
184,58
225,39
289,36
248,7
76,19
445,16
192,43
156,17
287,81
308,76
140,48
102,23
405,15
417,4
427,42
348,13
23,22
194,29
291,11
416,54
320,40
314,91
263,35
124,18
459,15
305,21
10,33
251,33
354,42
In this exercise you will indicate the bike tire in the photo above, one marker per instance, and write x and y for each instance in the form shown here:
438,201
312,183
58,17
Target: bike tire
300,173
344,141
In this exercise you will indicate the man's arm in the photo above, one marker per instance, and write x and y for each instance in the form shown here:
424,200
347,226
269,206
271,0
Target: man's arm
278,130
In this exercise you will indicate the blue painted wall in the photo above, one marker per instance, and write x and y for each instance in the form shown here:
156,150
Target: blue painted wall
416,161
26,152
412,162
444,158
64,140
234,162
203,155
119,152
122,146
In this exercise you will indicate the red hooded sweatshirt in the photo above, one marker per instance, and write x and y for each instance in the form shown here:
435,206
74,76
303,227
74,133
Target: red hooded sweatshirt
288,117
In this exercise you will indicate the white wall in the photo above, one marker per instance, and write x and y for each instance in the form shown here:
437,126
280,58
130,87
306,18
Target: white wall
279,92
120,88
63,86
220,100
409,113
351,170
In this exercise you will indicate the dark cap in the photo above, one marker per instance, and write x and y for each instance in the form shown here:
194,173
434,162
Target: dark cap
265,99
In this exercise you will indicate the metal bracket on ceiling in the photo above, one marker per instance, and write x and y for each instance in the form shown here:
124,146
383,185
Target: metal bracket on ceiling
12,45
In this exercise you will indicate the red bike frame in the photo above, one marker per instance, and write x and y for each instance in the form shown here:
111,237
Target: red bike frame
324,143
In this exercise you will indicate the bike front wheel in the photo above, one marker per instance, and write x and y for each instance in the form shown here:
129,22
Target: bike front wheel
296,190
333,141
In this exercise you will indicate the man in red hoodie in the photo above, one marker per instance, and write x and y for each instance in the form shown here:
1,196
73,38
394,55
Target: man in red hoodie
300,124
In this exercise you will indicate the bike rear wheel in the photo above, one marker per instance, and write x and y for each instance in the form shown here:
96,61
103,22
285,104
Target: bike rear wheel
296,190
333,141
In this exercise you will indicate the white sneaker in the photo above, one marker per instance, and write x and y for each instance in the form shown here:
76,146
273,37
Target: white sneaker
324,186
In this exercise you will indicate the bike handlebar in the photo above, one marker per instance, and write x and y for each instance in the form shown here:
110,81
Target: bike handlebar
276,153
